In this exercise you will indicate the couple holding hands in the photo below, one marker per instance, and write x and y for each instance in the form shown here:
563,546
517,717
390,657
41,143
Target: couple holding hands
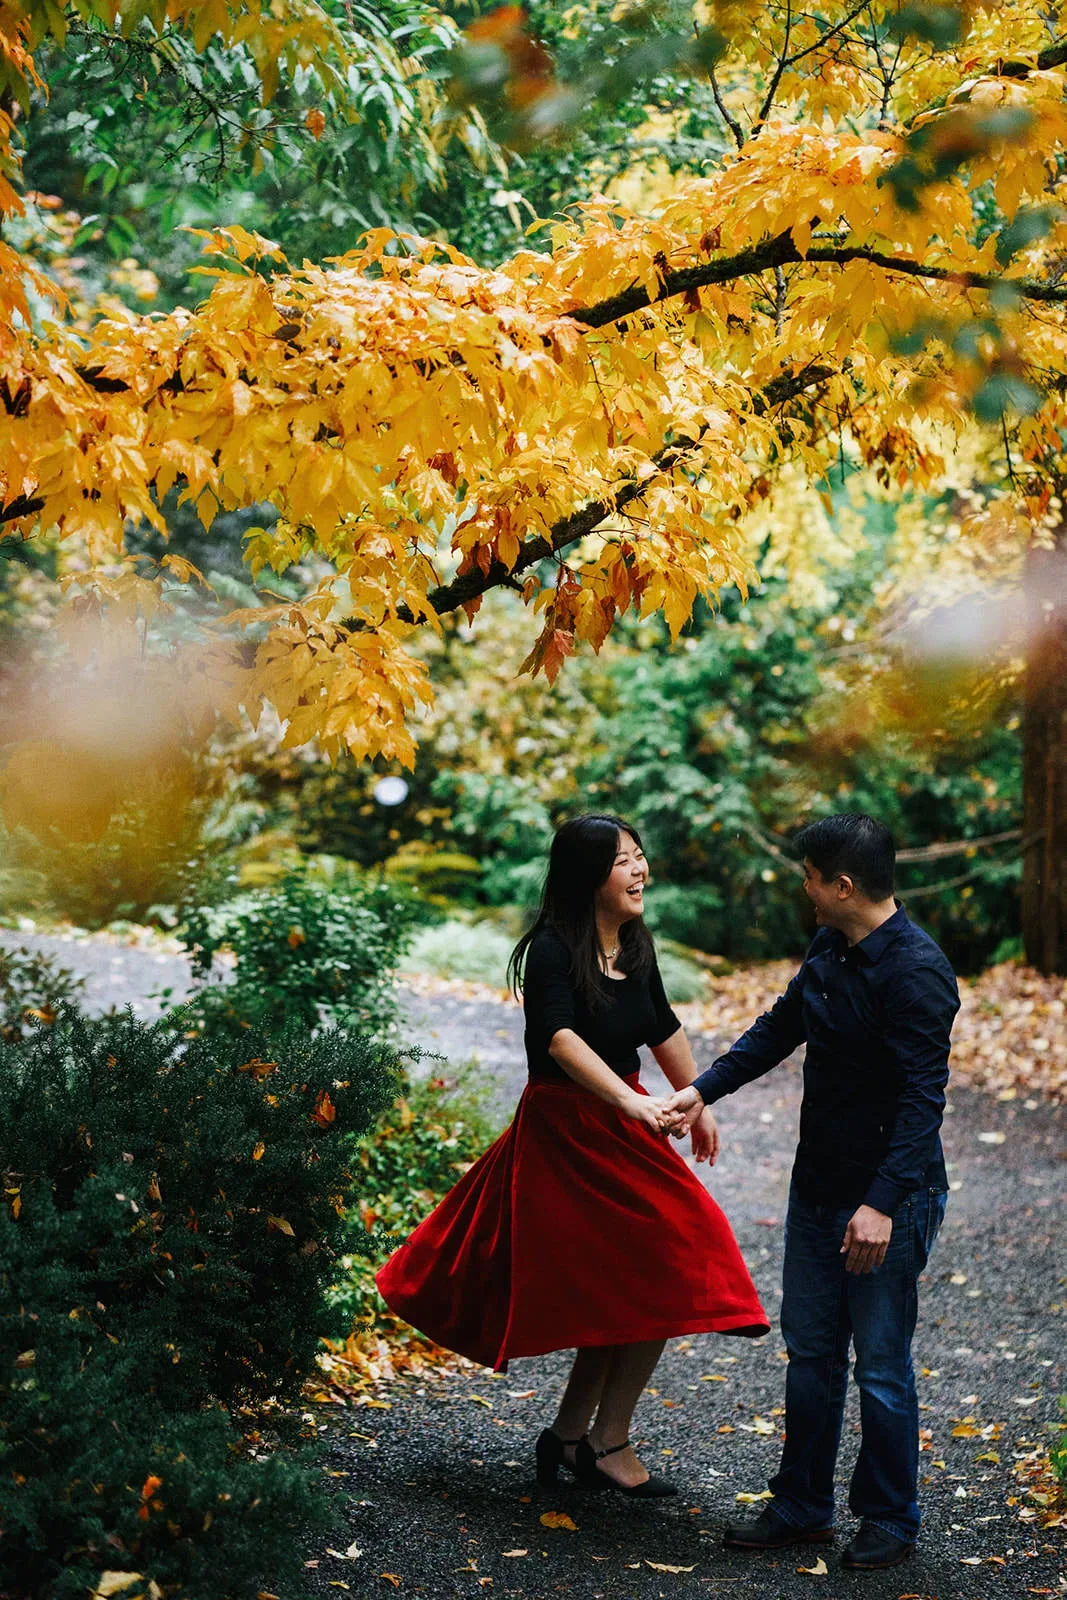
582,1227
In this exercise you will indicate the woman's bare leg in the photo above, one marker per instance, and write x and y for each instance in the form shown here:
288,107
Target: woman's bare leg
583,1393
631,1367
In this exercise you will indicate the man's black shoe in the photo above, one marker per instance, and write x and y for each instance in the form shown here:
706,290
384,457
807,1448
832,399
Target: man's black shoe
770,1531
873,1548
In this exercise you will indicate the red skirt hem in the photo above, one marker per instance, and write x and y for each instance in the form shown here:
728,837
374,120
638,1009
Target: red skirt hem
577,1227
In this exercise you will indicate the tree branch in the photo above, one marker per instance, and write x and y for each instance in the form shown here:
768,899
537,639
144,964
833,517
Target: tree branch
730,120
22,506
568,530
781,251
783,61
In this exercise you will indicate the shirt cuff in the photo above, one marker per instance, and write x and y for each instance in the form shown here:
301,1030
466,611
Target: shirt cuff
708,1085
885,1195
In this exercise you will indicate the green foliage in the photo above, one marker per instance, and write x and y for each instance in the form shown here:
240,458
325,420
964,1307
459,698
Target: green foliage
303,950
145,134
476,951
172,1209
32,989
418,1150
717,750
1058,1452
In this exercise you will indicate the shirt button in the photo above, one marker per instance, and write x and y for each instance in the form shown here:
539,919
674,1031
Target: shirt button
826,997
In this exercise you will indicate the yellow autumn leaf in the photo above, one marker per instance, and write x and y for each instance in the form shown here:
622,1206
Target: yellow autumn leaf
558,1519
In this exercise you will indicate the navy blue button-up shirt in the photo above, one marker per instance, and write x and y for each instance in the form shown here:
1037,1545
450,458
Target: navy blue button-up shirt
876,1018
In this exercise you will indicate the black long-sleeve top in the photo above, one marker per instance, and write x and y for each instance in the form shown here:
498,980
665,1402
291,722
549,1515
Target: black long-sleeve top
876,1018
635,1012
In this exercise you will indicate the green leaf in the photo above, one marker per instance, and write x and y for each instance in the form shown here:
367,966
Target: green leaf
938,25
1026,229
1002,392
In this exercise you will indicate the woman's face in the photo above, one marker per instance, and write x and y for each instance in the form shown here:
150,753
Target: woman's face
621,896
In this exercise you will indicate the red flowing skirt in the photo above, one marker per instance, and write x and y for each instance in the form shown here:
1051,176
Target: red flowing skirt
578,1226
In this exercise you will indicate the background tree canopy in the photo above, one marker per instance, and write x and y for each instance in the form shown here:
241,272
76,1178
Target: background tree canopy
797,314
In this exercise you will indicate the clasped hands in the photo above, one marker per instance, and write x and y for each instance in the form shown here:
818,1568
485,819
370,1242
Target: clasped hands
685,1112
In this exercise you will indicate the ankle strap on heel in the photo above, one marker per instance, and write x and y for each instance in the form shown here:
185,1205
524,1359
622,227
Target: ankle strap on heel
612,1451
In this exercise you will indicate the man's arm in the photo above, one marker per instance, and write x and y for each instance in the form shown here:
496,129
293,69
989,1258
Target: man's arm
918,1026
772,1037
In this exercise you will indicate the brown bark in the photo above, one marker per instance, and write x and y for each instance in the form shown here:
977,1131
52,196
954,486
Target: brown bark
1044,900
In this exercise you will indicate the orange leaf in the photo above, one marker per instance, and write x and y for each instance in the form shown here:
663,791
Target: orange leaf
150,1486
315,122
558,1519
279,1225
257,1150
296,937
325,1111
259,1069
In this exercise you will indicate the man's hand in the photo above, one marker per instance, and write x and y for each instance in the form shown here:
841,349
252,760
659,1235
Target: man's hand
705,1132
683,1108
866,1240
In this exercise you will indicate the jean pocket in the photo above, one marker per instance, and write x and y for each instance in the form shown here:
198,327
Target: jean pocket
935,1216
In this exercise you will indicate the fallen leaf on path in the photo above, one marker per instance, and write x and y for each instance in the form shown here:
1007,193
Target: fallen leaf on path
819,1570
390,1577
664,1566
558,1519
521,1394
992,1138
480,1400
746,1499
514,1552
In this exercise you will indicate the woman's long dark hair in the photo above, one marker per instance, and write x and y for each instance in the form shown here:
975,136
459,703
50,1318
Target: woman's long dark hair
582,856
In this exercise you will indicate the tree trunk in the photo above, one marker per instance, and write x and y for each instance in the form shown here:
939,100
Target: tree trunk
1044,901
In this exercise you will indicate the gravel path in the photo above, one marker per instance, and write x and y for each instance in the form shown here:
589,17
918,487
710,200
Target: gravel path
435,1485
438,1486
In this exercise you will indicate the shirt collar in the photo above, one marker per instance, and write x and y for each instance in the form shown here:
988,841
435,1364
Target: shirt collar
875,944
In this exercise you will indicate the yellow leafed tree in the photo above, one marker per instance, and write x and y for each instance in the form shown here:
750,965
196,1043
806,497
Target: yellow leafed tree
873,272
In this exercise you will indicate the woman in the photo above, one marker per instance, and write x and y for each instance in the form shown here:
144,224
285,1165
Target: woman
582,1227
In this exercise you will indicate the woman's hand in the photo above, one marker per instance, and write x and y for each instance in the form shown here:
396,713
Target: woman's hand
642,1108
705,1136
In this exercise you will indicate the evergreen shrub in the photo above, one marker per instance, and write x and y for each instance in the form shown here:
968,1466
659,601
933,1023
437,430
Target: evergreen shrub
32,988
171,1212
303,950
419,1148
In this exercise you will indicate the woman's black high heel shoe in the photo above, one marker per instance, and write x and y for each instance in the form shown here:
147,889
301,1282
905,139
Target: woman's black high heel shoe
550,1457
587,1472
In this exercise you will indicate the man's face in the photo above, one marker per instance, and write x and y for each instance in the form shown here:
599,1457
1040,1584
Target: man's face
825,896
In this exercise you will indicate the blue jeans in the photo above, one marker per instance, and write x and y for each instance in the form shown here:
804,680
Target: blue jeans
823,1309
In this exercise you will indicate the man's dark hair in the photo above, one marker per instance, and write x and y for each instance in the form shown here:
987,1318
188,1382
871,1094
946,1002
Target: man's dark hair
854,844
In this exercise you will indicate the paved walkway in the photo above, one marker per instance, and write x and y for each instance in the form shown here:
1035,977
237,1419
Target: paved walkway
436,1490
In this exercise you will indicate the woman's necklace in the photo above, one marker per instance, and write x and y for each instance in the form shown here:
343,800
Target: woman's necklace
609,955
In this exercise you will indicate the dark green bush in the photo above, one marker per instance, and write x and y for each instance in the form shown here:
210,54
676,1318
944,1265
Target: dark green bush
171,1213
419,1148
32,988
304,950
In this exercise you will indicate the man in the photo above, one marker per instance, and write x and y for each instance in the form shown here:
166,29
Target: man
874,1002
